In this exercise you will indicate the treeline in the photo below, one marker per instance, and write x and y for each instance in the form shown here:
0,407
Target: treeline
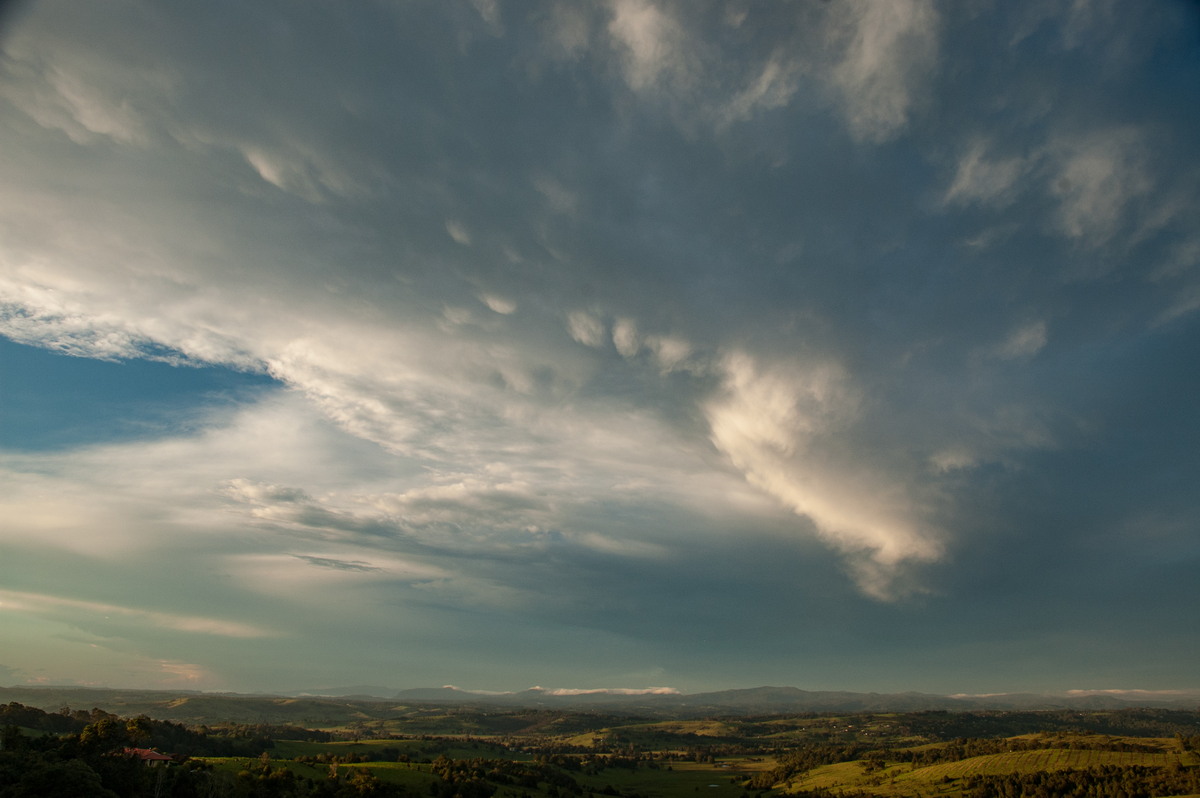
264,781
479,778
1109,781
942,725
78,754
966,748
805,758
90,763
228,739
73,754
142,731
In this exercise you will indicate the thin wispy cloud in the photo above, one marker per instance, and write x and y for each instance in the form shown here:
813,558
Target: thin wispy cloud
18,601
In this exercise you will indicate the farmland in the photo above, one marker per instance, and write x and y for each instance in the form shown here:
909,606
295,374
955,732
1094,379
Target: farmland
464,752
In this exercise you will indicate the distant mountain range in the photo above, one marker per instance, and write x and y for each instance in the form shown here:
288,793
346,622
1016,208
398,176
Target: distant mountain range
766,700
352,701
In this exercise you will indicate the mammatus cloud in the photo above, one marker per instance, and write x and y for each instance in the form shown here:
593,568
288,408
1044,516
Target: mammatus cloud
475,396
586,328
873,59
499,304
60,96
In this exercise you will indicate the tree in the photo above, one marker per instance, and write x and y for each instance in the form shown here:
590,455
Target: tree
69,779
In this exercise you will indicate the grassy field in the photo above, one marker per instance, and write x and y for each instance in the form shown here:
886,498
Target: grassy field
416,750
945,779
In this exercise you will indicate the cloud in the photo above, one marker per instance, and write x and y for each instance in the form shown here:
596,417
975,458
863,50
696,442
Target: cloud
1025,341
114,500
675,285
296,169
560,198
60,607
773,87
61,95
354,566
574,691
586,328
888,52
567,30
489,10
652,41
876,59
952,459
1099,177
10,675
1187,301
245,490
458,232
669,351
377,333
38,315
499,304
670,55
625,337
310,580
771,423
1160,695
983,180
186,672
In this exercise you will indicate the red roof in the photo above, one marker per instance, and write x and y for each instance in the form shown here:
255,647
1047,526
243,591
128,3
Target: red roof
148,755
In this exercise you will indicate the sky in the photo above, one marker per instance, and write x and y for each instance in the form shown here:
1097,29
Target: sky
618,344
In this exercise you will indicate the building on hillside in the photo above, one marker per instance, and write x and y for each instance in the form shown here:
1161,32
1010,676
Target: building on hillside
150,758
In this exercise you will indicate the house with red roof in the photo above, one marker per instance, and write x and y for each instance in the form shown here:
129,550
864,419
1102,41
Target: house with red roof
149,757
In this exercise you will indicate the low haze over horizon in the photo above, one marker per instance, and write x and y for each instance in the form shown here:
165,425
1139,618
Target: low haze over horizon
622,344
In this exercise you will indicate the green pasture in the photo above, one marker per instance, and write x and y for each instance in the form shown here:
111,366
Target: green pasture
416,749
676,728
25,731
683,780
394,773
404,721
1047,759
670,735
943,779
586,739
